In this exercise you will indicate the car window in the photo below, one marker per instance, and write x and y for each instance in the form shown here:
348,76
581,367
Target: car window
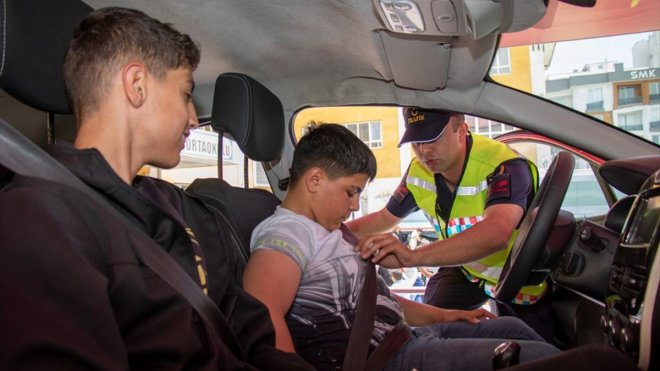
199,159
585,197
381,128
610,73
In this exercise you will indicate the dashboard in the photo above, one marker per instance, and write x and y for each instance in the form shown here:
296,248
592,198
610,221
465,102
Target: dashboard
632,301
607,278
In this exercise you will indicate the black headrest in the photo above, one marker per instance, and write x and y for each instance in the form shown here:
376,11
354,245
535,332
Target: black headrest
250,114
35,35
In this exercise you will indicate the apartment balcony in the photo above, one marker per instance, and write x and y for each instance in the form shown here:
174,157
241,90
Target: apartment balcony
654,126
631,100
595,106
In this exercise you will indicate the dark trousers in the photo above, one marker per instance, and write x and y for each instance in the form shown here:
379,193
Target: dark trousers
450,289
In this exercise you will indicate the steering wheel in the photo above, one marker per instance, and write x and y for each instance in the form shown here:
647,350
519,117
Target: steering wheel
535,228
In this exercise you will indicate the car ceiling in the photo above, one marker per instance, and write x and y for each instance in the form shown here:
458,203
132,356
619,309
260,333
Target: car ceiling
339,52
324,52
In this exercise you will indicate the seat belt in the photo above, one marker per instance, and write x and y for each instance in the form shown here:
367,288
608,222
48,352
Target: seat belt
363,325
23,157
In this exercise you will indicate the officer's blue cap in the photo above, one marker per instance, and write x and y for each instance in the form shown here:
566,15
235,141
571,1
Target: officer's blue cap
423,126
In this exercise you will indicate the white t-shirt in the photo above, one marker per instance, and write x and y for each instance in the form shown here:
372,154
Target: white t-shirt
332,278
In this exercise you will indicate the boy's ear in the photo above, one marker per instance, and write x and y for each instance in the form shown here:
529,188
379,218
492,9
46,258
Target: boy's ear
313,177
134,83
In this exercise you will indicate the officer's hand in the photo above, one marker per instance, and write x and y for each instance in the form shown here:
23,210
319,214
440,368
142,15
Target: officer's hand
384,249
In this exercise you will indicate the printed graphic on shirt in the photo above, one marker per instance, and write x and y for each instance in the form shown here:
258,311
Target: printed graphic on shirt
201,270
458,225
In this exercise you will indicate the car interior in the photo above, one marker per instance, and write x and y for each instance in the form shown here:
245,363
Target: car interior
266,61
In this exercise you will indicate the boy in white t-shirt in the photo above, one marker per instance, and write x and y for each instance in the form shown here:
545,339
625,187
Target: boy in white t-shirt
310,278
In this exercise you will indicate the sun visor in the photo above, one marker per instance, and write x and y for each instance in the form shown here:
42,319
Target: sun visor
418,64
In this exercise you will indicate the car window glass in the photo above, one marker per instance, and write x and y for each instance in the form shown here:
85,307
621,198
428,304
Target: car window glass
199,159
584,198
611,73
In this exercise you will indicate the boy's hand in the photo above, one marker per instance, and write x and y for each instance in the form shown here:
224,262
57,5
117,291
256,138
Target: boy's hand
384,249
472,316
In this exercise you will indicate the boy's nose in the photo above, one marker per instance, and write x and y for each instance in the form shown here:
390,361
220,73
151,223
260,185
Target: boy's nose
355,204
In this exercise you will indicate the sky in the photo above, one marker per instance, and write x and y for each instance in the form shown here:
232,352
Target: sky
573,55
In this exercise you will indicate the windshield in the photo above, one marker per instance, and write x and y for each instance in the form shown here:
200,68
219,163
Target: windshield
602,61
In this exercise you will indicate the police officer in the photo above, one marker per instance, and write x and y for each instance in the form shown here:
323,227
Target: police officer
475,192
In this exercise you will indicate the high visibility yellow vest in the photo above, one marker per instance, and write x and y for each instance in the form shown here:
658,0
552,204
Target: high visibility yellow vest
468,208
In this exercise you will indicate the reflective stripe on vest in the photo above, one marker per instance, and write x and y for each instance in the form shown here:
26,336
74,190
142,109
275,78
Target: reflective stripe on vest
472,191
411,180
485,269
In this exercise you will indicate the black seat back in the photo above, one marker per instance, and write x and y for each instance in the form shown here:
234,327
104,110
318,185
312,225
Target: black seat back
252,115
31,72
31,69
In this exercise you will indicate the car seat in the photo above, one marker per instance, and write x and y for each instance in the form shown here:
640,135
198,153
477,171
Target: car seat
252,115
31,72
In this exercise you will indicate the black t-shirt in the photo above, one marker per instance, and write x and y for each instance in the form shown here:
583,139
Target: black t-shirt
510,183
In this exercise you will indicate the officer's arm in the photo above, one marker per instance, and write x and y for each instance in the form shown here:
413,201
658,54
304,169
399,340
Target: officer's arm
379,222
482,239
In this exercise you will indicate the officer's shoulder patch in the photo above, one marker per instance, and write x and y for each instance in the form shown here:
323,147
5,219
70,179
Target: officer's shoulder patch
499,187
400,193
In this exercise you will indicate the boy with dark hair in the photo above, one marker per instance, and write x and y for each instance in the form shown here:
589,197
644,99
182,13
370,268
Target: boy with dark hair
78,293
310,278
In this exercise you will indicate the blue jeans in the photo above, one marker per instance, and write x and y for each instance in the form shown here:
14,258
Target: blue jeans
449,289
465,346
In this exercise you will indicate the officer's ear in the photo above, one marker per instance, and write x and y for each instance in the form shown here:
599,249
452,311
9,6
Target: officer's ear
462,128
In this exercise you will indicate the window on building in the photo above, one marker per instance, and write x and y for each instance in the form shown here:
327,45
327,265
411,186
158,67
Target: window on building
487,127
631,121
629,94
501,63
655,138
654,125
595,99
654,91
482,126
369,132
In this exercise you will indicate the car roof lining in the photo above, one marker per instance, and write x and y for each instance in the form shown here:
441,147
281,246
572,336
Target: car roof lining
340,60
334,60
